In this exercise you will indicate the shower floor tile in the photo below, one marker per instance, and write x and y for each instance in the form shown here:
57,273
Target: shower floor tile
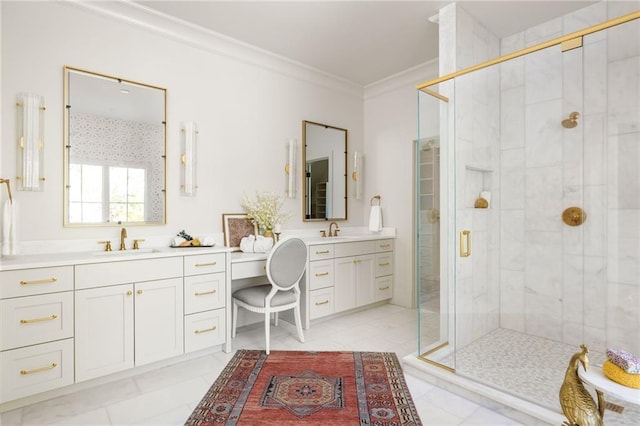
531,368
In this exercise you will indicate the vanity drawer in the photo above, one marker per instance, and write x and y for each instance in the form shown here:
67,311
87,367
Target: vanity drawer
204,292
204,263
321,303
384,264
320,274
203,330
384,288
355,249
384,245
254,268
36,319
28,282
323,251
126,272
35,369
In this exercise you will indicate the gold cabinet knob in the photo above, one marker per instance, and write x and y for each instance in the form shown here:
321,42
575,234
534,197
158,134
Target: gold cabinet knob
129,293
139,292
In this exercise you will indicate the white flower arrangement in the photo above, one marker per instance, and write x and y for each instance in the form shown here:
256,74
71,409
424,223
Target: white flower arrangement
265,210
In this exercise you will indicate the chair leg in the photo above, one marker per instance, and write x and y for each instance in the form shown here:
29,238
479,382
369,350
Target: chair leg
235,319
296,313
267,326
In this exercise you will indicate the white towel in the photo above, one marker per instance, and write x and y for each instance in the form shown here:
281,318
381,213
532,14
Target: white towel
375,219
9,238
253,244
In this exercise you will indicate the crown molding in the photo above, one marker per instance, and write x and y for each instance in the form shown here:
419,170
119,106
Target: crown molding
215,43
411,77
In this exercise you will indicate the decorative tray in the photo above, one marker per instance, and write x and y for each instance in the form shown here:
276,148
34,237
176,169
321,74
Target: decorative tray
202,246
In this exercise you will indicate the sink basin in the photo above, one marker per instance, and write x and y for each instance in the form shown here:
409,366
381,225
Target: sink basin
126,252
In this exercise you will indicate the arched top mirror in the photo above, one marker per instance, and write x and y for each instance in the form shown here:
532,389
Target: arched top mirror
325,172
115,150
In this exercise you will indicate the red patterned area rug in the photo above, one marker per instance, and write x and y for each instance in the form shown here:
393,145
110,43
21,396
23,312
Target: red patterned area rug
308,388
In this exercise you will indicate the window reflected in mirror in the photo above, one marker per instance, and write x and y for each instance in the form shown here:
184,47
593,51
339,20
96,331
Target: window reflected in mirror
115,150
325,172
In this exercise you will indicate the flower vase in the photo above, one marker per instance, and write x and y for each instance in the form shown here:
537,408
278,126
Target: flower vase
268,233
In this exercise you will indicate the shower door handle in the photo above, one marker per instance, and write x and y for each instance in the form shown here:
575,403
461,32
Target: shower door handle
465,249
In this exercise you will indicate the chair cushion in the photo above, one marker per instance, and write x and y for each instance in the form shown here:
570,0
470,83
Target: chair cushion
255,296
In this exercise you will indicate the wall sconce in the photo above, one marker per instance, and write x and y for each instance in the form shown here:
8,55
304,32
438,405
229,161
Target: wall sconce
30,142
290,168
357,175
189,132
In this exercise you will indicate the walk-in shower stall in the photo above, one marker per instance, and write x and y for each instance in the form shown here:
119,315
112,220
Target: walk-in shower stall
528,198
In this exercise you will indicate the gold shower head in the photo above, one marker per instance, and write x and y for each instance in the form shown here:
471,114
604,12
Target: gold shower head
571,122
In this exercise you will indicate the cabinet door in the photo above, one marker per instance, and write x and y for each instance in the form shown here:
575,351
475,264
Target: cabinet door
365,279
158,320
103,331
344,283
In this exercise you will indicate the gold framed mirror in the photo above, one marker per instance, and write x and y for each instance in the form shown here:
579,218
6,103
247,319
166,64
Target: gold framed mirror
114,150
324,172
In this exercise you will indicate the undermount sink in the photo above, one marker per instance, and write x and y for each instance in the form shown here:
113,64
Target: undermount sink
126,252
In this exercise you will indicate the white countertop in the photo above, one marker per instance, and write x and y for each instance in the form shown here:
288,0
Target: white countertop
8,263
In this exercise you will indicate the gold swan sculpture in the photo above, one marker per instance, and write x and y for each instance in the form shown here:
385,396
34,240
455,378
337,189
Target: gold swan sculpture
577,404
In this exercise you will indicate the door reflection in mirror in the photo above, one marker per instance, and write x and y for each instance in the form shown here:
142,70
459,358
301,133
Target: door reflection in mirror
325,172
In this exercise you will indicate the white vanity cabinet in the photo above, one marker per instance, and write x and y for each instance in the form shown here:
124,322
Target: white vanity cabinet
320,278
204,301
354,282
36,330
383,288
128,314
346,275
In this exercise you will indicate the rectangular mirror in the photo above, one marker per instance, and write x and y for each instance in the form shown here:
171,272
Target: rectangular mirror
115,150
325,172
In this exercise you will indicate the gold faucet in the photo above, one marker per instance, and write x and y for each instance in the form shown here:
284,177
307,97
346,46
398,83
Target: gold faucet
332,232
123,235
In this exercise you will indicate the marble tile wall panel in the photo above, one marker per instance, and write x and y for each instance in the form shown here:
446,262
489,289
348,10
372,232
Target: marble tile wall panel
543,136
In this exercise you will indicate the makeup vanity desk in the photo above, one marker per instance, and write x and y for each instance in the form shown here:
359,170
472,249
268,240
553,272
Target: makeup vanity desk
343,273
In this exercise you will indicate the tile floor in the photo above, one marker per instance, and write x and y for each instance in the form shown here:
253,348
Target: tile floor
167,396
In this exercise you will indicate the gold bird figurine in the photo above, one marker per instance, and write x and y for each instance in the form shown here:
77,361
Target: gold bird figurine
577,404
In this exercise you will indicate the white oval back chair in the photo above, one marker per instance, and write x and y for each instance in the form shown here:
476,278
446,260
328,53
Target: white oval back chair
286,264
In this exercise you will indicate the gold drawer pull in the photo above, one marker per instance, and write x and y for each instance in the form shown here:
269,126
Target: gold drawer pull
356,261
321,274
206,330
205,292
39,370
322,303
385,245
322,252
383,288
45,281
384,264
29,321
206,264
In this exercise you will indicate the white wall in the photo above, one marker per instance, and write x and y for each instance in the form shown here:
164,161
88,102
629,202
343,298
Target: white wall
247,104
391,127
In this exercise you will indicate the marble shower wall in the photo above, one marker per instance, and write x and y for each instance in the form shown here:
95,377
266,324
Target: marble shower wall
572,284
475,100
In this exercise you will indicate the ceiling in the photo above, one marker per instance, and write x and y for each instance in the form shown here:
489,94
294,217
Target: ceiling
359,41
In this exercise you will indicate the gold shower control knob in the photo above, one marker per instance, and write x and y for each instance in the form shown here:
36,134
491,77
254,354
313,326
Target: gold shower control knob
574,216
